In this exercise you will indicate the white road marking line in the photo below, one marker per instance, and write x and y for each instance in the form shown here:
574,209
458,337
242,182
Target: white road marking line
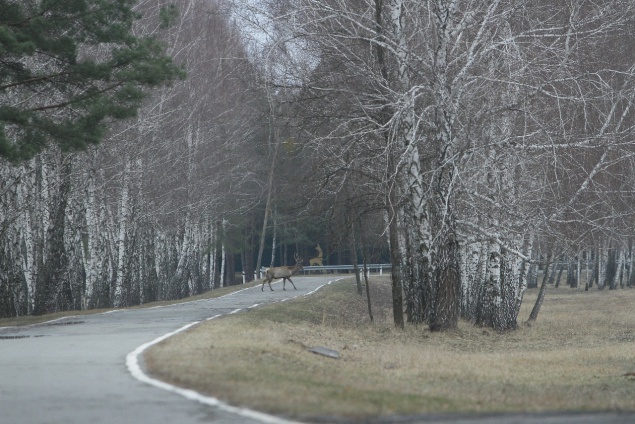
214,317
132,363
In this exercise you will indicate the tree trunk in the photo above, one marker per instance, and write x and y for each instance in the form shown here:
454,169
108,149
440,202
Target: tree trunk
124,209
52,278
603,259
619,268
552,273
631,267
273,139
365,258
223,256
560,270
541,293
230,266
523,277
397,270
491,291
578,271
273,241
445,311
353,250
470,281
571,273
213,269
29,265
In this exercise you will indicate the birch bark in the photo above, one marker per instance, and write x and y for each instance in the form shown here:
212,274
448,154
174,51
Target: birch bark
404,134
524,276
213,254
541,292
223,260
124,208
29,257
93,261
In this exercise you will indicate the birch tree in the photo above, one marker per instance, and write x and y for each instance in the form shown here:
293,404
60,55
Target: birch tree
135,219
502,86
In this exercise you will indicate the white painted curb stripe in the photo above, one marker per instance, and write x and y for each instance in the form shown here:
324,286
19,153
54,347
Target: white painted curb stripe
132,363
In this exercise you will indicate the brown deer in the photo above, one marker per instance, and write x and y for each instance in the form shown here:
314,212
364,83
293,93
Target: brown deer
284,272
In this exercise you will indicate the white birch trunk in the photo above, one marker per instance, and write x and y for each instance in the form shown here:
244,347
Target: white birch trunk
142,274
184,251
212,256
469,276
205,248
464,270
523,276
160,255
29,264
405,136
587,269
416,270
631,262
124,207
222,266
273,240
619,268
45,202
92,262
494,276
602,258
110,235
223,253
578,272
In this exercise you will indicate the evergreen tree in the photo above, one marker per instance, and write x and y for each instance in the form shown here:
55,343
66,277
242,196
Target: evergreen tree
68,68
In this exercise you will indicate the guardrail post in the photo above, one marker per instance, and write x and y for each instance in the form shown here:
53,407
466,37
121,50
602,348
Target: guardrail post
243,277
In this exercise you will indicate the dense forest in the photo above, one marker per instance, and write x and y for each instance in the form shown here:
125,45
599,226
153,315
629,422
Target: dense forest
152,150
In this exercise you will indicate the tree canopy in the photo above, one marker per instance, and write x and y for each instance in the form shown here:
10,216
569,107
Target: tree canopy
68,68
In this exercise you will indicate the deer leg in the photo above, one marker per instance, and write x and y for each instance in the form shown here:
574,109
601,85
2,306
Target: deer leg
284,281
268,281
292,283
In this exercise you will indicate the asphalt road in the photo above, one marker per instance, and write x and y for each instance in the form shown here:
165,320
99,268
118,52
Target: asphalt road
88,370
81,369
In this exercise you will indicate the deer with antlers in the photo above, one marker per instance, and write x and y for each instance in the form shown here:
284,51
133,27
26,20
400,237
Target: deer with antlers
284,272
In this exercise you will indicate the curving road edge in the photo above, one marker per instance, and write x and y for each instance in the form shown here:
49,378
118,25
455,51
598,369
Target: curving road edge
135,369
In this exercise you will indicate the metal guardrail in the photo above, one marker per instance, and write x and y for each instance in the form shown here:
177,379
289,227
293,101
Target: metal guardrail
334,269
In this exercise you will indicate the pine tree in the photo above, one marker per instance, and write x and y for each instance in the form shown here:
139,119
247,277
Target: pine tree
68,68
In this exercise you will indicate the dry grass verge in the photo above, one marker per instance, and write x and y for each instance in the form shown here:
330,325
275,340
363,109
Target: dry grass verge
577,356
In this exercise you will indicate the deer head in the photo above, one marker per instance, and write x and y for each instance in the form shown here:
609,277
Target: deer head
298,263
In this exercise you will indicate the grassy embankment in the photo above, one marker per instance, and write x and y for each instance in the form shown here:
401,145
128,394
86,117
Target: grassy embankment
577,356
